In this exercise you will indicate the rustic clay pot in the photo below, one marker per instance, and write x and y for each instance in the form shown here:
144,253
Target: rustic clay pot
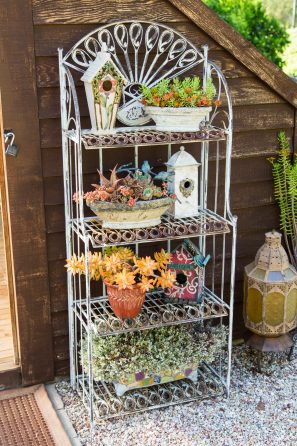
127,303
143,214
181,119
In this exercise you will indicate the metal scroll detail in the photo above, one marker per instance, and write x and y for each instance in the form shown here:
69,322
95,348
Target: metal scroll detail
144,52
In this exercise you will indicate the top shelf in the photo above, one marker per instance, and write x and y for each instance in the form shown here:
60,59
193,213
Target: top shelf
145,136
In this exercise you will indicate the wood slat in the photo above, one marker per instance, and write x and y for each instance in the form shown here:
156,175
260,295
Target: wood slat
47,70
49,38
93,11
252,117
244,91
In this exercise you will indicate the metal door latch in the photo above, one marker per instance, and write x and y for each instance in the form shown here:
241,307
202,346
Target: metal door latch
11,148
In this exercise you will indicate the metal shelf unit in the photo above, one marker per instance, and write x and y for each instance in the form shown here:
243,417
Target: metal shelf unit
214,228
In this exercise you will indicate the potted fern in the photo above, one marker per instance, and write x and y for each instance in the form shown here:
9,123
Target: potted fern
284,170
133,201
127,277
179,105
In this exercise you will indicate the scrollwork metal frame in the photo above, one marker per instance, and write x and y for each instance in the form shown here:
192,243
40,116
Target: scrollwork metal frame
143,52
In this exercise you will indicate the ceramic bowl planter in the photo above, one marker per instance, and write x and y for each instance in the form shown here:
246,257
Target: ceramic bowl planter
182,119
143,214
140,380
126,303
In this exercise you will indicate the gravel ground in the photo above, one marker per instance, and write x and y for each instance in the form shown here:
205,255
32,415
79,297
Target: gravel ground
262,410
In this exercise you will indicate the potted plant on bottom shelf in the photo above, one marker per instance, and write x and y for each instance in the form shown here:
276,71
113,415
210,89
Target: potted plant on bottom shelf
179,105
134,201
146,358
127,277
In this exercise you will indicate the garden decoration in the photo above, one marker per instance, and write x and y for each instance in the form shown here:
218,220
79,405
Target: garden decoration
135,201
127,277
284,171
271,290
183,183
145,53
179,105
270,302
147,358
189,264
103,84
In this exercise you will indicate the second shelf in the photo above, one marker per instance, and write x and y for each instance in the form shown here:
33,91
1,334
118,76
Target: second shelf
206,223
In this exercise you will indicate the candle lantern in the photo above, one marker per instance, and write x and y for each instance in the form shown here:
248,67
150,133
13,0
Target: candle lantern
270,301
103,84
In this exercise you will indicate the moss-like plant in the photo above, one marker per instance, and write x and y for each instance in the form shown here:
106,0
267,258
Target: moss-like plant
284,171
153,351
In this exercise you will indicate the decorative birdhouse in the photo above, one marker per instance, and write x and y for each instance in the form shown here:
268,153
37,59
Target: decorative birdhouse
270,301
183,182
189,264
103,84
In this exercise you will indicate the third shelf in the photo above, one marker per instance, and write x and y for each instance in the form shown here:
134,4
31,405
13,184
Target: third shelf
156,312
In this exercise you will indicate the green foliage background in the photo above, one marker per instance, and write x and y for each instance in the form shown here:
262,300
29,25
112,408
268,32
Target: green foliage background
250,18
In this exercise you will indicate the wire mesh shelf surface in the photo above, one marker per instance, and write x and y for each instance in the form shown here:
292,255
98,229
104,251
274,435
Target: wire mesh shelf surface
126,137
156,312
205,223
108,405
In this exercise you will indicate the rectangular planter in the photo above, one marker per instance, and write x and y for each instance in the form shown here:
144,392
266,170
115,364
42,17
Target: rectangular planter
141,379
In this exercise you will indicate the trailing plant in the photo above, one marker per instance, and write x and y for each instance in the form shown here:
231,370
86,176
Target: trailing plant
285,187
121,267
187,92
152,351
138,185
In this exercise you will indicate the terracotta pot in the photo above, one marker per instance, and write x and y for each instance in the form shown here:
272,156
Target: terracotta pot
182,119
127,303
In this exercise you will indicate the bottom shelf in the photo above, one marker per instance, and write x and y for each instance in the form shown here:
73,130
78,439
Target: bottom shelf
108,405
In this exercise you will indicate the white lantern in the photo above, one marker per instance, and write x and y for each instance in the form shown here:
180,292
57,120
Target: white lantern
183,182
103,84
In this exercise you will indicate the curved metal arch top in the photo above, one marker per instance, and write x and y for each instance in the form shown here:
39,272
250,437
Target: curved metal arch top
144,52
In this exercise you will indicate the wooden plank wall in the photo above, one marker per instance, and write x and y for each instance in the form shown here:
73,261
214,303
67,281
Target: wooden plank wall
259,114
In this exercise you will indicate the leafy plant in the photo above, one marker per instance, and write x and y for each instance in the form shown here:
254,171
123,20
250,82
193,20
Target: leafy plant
166,348
120,266
138,185
180,93
285,186
250,19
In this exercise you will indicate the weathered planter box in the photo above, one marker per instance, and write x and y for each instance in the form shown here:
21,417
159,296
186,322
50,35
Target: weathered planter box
121,216
141,379
182,119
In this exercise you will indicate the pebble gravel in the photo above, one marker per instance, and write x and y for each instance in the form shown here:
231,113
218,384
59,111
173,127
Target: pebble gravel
261,410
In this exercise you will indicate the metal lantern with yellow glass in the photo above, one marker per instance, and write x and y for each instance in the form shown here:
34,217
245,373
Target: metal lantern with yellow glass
270,301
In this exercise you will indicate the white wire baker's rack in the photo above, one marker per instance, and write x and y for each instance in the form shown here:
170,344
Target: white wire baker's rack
146,52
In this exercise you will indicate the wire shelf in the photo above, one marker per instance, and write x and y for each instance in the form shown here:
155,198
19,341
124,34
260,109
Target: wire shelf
126,137
108,405
156,312
206,223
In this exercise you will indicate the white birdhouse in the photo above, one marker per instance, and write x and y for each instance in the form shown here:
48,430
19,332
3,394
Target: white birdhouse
183,182
103,84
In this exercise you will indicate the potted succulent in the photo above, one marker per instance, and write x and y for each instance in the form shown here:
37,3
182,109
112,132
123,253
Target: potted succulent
134,201
146,358
127,277
179,105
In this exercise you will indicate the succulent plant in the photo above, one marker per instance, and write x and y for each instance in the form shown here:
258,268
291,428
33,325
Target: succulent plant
152,351
138,184
187,92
